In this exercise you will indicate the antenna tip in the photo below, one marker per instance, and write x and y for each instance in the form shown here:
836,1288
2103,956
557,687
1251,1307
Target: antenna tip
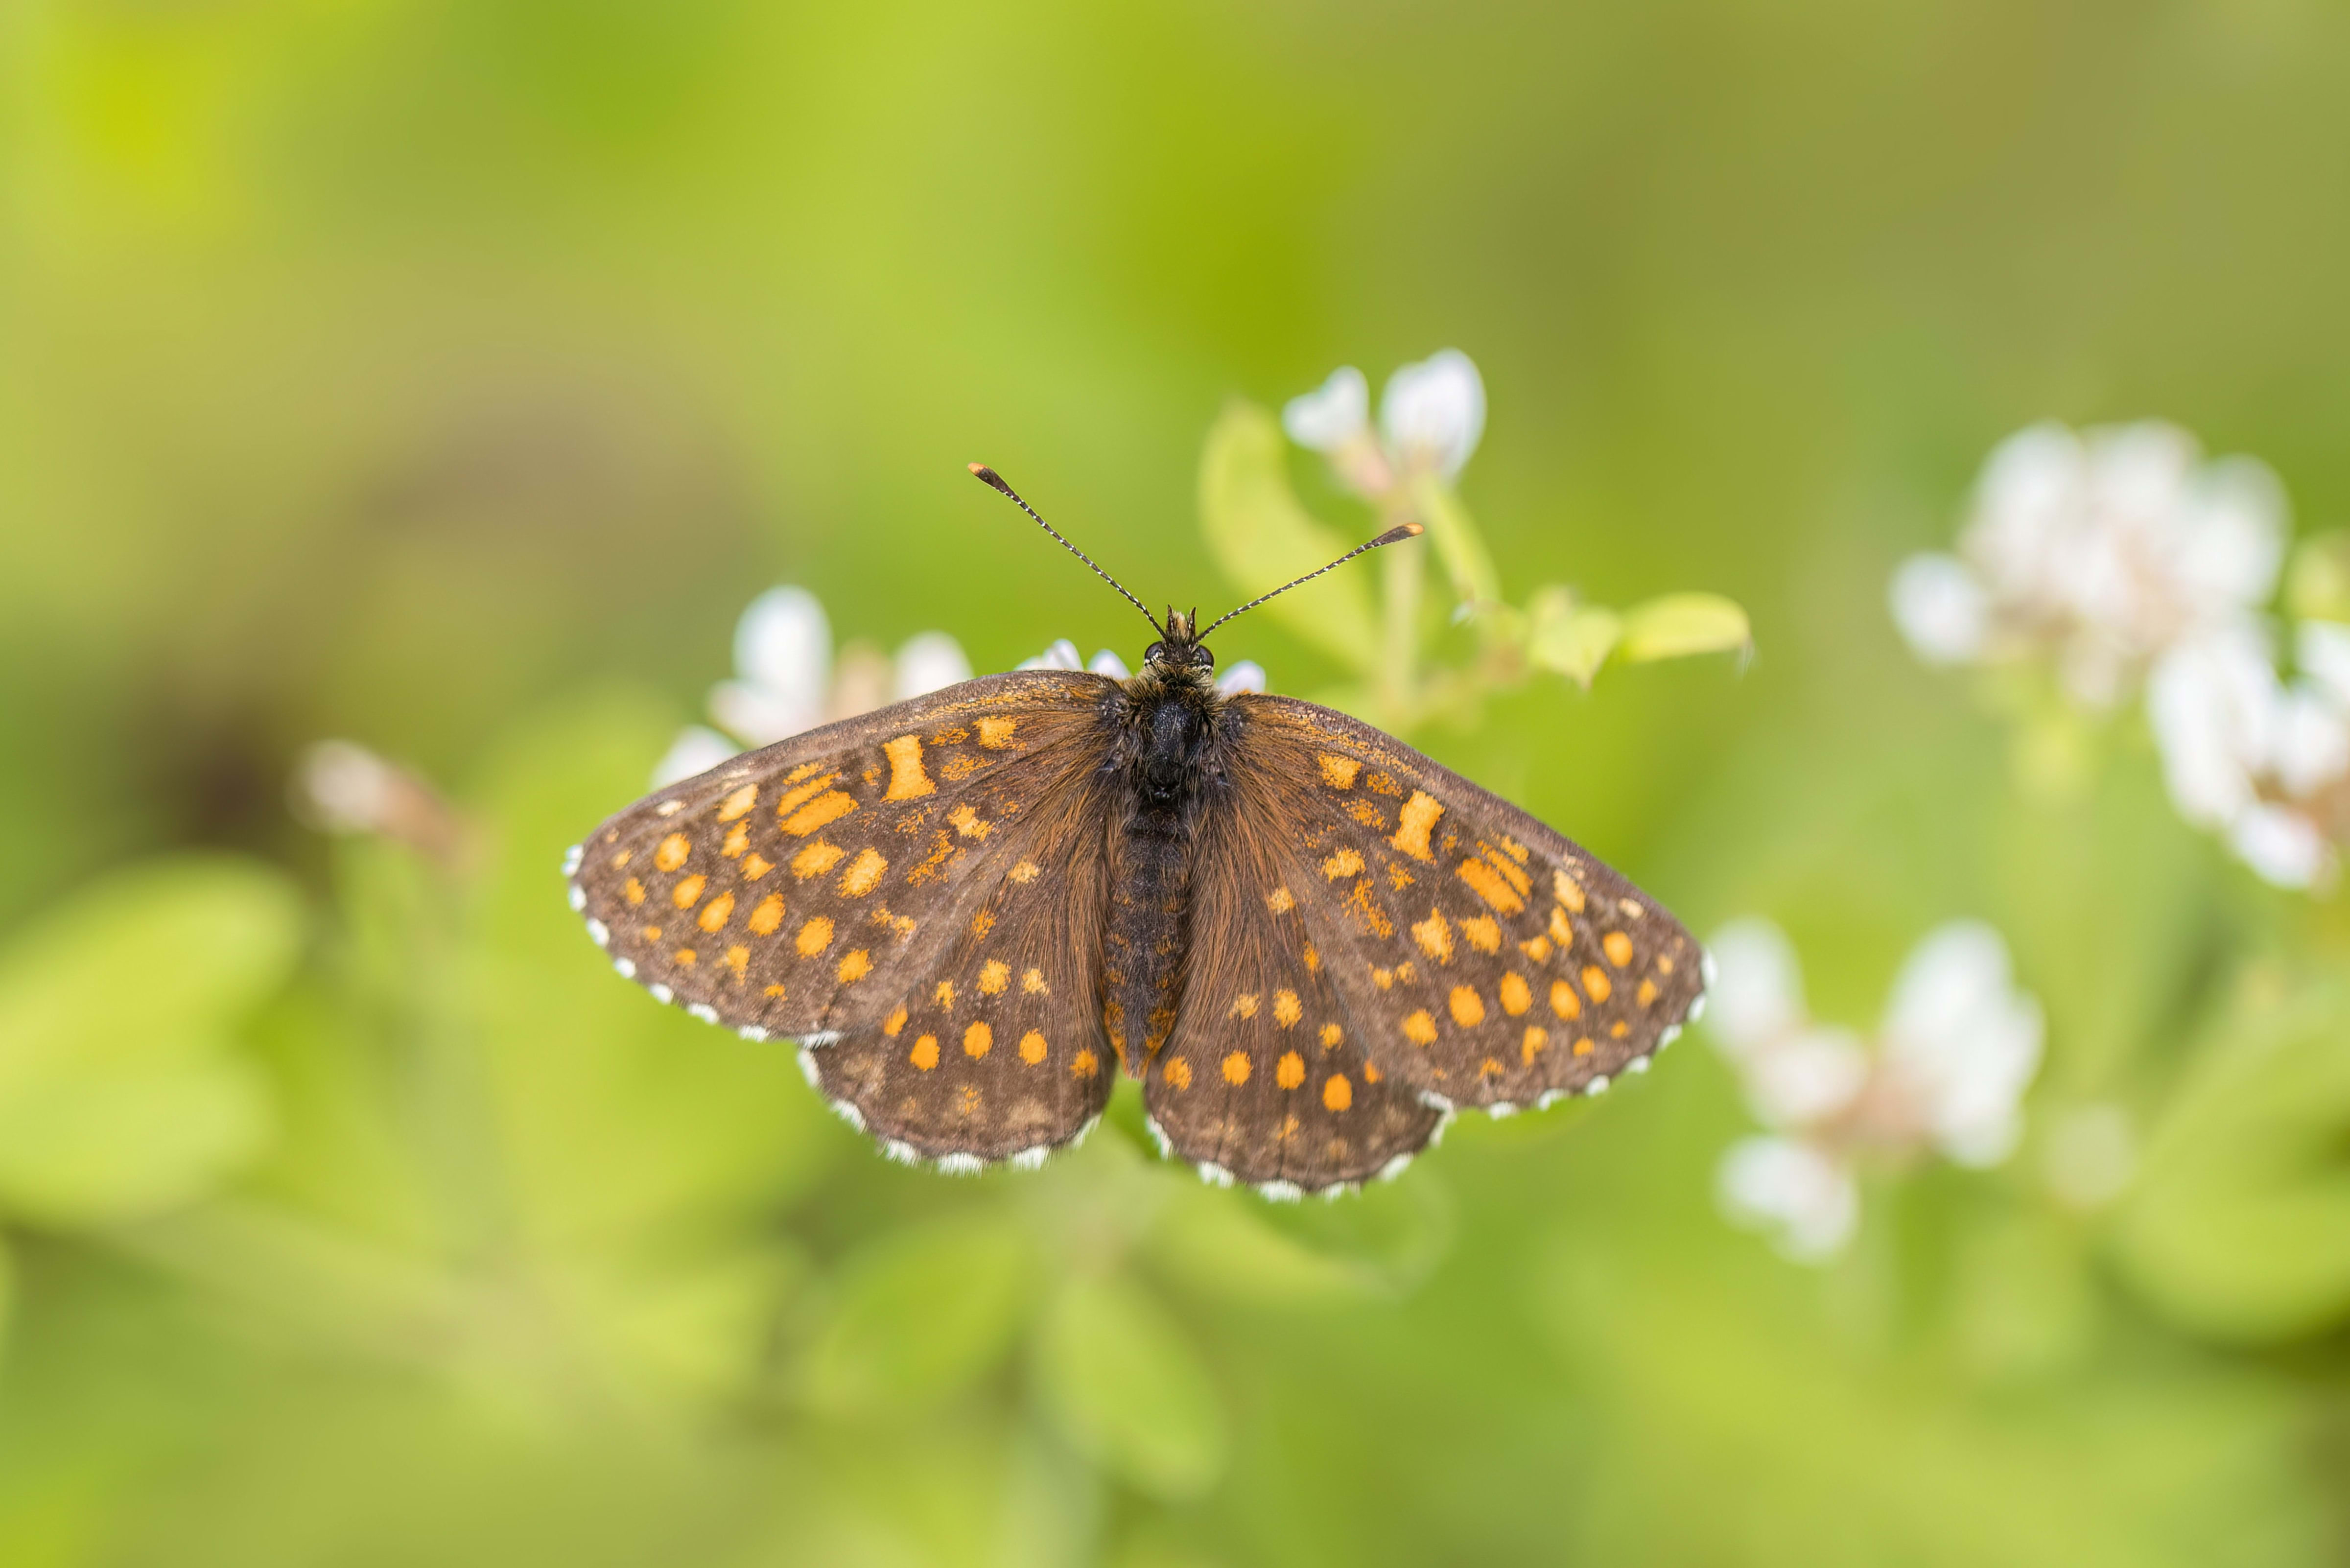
990,478
1399,531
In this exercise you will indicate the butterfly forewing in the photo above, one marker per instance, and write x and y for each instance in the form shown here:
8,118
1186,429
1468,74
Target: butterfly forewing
804,889
1486,959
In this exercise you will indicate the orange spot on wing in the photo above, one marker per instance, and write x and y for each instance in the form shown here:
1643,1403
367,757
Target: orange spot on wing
1646,994
738,839
945,994
793,799
864,873
815,936
1024,872
816,859
925,1054
1033,983
1564,1002
994,976
827,807
688,890
1491,886
978,1040
1366,910
739,803
1537,1040
1538,948
1285,1008
1516,995
738,959
907,779
1290,1071
1032,1047
1336,1093
1345,863
1434,937
1561,929
672,852
1339,772
1371,1073
1483,932
1083,1064
767,915
1569,891
1468,1007
634,891
1584,1047
684,957
1419,1028
1243,1005
1281,901
1236,1069
895,1021
1369,815
1596,983
713,914
1617,947
756,867
1331,1035
1515,878
996,733
855,966
1420,815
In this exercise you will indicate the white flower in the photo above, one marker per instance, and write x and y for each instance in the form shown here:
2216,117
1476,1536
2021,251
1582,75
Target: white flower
1779,1183
697,750
1334,415
1247,675
2099,550
787,680
2250,757
783,662
1941,608
1958,1048
1963,1042
2322,648
1433,413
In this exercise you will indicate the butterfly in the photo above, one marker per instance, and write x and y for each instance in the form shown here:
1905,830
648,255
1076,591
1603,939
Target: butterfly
973,909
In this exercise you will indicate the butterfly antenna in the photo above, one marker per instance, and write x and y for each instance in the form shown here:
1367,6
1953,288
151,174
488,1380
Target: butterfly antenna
994,480
1395,534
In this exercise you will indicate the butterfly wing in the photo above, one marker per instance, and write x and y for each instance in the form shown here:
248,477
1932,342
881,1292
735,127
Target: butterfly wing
1480,958
1264,1077
894,878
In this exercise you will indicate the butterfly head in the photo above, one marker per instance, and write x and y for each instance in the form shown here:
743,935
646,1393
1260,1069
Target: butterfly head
1179,652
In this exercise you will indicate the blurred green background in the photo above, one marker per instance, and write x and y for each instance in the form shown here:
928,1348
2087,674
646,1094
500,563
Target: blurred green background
448,374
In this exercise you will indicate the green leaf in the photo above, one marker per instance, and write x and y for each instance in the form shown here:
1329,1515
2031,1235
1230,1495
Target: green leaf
112,1144
1263,537
1570,639
1127,1390
1677,625
2238,1225
920,1314
119,1095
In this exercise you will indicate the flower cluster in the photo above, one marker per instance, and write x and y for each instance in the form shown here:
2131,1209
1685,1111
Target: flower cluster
1247,675
787,679
1946,1075
1431,416
2124,561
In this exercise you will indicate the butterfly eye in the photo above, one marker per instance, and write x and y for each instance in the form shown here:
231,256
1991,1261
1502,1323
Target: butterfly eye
1203,658
1154,653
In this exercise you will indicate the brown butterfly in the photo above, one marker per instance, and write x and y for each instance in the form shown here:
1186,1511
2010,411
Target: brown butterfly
1311,942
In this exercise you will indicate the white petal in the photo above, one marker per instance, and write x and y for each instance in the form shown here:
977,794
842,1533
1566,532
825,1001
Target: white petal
1248,675
1783,1184
1963,1041
1942,608
2027,506
348,788
2310,747
928,662
2233,525
1062,655
1804,1077
2282,845
1333,414
783,643
2322,648
1756,995
1108,663
2215,705
1434,413
696,750
761,715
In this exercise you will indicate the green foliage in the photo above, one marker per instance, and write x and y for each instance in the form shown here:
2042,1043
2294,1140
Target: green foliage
1128,1392
1262,536
120,1091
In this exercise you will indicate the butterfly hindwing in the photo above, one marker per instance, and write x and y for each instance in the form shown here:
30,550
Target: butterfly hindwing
1263,1078
995,1050
1488,961
803,889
